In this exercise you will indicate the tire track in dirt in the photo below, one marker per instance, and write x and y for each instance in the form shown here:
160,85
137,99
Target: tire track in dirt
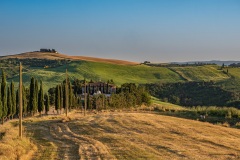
70,146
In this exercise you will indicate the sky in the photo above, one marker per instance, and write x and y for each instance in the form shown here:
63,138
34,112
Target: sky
134,30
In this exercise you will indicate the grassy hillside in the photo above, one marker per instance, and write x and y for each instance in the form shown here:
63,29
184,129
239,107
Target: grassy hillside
233,83
101,71
201,73
125,136
122,73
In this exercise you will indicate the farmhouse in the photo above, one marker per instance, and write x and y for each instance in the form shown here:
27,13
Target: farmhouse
99,88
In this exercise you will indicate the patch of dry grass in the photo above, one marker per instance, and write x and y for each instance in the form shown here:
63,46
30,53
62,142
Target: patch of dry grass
125,135
11,147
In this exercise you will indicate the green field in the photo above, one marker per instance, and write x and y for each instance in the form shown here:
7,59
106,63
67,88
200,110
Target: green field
127,73
201,73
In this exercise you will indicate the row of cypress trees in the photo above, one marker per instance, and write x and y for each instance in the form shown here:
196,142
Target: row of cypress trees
34,100
7,99
61,94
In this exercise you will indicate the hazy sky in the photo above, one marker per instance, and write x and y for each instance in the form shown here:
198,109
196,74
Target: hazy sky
135,30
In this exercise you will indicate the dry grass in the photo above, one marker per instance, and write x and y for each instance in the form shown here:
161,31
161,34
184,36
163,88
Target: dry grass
53,56
11,147
130,136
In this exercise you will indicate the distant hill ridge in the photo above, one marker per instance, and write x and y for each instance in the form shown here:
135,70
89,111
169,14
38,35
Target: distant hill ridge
53,56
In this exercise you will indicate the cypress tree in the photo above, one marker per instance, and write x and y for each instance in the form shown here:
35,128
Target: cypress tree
4,96
13,99
46,103
9,103
1,107
70,99
24,98
61,97
36,96
17,102
64,96
57,98
32,97
40,99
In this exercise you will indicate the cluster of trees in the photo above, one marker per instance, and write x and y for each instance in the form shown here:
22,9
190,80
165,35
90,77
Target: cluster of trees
191,93
128,95
7,99
177,64
33,62
234,65
33,99
63,95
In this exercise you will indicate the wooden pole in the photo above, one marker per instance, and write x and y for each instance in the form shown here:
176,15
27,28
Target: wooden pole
85,98
20,100
66,89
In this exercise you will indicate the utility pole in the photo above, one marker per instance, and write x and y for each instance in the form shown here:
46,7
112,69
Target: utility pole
66,89
85,97
20,100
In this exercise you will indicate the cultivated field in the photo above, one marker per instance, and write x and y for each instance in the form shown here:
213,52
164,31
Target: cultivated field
125,135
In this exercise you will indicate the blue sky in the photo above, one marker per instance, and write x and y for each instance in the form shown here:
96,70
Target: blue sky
135,30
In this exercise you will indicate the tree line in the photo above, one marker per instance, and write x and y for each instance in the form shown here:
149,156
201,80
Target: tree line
191,93
128,95
33,99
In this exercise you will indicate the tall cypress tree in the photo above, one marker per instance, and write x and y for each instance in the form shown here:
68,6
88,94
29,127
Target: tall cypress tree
4,96
46,103
36,95
40,99
24,98
70,99
1,107
9,103
64,96
32,97
13,99
57,98
17,102
61,97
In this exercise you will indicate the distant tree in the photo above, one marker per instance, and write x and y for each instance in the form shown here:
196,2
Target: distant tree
9,103
46,103
13,99
222,66
40,99
4,96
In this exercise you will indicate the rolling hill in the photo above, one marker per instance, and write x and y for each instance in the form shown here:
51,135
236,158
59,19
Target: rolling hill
119,71
57,56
